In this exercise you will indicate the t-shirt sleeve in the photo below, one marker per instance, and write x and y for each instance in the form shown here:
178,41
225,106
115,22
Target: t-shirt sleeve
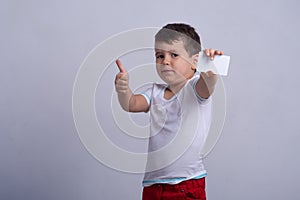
147,93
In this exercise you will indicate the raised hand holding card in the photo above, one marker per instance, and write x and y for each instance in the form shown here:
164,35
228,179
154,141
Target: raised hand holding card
219,65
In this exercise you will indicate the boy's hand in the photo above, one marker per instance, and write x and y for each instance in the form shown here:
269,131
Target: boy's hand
209,76
121,81
211,53
210,79
205,85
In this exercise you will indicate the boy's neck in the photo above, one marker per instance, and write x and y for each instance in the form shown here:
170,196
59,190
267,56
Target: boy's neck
175,88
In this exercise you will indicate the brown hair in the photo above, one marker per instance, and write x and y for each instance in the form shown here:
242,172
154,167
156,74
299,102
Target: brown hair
179,31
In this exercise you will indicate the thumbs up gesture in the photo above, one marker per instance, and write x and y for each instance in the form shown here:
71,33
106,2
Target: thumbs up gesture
122,79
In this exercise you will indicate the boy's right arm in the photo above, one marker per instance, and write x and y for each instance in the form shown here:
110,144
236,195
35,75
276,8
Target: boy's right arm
128,101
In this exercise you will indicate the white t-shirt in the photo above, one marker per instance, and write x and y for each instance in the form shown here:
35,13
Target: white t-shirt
178,130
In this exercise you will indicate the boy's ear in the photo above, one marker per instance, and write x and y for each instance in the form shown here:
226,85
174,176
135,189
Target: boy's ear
195,60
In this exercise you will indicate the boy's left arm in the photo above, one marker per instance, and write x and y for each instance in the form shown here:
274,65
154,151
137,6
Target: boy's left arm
206,83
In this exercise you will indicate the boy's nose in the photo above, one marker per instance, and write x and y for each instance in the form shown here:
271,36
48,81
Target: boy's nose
166,60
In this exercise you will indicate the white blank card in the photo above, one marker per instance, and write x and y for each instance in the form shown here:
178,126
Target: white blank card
219,65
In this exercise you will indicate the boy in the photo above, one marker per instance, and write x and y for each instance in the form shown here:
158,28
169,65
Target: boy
177,48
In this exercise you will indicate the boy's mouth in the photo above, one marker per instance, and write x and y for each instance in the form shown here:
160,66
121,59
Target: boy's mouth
167,70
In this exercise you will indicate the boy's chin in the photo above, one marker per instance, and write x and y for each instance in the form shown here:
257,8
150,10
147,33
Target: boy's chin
173,81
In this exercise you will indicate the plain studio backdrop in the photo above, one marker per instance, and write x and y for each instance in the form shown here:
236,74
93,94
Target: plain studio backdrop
43,44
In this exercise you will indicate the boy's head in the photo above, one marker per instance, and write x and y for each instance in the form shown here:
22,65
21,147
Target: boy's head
179,31
177,48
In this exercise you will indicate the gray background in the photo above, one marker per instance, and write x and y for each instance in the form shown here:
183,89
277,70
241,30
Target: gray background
44,43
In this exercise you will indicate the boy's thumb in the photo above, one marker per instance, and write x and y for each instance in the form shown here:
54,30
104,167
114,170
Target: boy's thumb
120,66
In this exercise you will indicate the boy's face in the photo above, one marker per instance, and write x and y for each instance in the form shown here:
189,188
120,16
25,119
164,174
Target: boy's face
173,63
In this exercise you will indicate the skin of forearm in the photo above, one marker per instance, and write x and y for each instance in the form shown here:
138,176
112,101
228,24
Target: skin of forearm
206,86
125,99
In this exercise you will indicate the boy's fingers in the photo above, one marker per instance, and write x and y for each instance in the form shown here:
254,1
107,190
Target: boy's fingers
120,66
219,52
211,52
118,76
206,52
121,76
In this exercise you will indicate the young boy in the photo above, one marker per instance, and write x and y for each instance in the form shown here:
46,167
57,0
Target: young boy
177,48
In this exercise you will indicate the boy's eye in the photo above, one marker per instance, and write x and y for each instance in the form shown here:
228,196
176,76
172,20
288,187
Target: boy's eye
174,54
159,56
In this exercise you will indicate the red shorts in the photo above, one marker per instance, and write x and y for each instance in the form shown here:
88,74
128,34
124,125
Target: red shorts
190,189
